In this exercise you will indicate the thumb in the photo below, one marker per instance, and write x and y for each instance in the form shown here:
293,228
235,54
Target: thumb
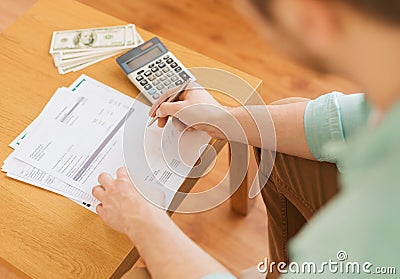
169,109
122,174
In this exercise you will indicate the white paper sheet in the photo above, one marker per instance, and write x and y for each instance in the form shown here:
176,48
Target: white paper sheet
86,137
54,103
24,172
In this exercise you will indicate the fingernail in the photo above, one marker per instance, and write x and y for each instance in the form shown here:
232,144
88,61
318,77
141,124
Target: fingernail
158,113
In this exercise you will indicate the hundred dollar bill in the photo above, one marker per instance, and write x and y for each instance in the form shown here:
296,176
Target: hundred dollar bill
74,50
78,60
62,57
80,66
85,39
130,35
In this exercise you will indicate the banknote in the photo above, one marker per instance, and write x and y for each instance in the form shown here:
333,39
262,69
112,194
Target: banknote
73,50
83,59
63,60
82,65
96,38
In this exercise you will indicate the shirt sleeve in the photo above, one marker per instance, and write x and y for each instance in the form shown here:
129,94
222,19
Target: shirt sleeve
333,117
219,276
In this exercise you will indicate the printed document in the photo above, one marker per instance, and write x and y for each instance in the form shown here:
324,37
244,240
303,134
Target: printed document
90,132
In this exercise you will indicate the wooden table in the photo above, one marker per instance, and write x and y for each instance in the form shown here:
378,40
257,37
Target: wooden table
44,235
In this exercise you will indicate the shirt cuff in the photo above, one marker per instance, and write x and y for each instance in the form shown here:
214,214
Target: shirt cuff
323,124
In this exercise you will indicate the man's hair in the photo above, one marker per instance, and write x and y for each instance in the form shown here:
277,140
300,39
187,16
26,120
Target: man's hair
385,10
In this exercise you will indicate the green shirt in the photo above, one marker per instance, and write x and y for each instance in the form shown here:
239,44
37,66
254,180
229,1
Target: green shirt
357,234
362,219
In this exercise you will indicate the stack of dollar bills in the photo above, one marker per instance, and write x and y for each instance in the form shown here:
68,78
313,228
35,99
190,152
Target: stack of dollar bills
73,50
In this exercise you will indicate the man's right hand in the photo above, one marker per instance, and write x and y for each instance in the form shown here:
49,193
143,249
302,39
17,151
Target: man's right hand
189,111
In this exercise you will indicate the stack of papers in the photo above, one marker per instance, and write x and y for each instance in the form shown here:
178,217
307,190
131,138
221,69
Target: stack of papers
80,133
73,50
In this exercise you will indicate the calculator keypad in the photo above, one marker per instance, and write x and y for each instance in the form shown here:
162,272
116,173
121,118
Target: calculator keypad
161,75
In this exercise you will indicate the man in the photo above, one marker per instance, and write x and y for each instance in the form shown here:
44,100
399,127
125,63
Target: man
359,39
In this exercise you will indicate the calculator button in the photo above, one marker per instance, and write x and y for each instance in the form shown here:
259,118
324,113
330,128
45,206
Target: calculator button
144,82
158,61
173,65
161,65
154,69
140,72
156,82
178,69
160,86
169,61
151,65
174,78
163,78
166,57
170,74
179,82
139,78
166,70
147,73
158,74
147,86
152,77
156,96
171,86
167,82
184,75
152,91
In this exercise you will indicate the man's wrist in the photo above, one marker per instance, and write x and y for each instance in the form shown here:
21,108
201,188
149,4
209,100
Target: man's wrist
147,220
234,111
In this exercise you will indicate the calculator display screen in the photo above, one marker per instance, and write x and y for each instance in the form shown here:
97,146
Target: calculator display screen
145,58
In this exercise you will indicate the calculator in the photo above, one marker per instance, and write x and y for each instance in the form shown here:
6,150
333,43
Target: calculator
153,69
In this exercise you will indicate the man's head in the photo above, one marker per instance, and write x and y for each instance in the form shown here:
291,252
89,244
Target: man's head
358,39
386,10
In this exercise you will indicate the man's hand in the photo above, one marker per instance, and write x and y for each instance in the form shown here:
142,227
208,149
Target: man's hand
194,95
167,251
121,204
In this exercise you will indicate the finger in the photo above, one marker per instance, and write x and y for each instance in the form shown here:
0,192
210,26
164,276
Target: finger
165,96
98,192
192,86
170,109
162,122
105,180
167,109
122,174
179,125
99,209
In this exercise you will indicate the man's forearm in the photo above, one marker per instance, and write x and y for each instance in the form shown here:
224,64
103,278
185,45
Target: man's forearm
170,253
286,121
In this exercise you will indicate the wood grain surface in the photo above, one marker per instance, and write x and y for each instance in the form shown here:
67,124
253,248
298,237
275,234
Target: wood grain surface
45,235
216,29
